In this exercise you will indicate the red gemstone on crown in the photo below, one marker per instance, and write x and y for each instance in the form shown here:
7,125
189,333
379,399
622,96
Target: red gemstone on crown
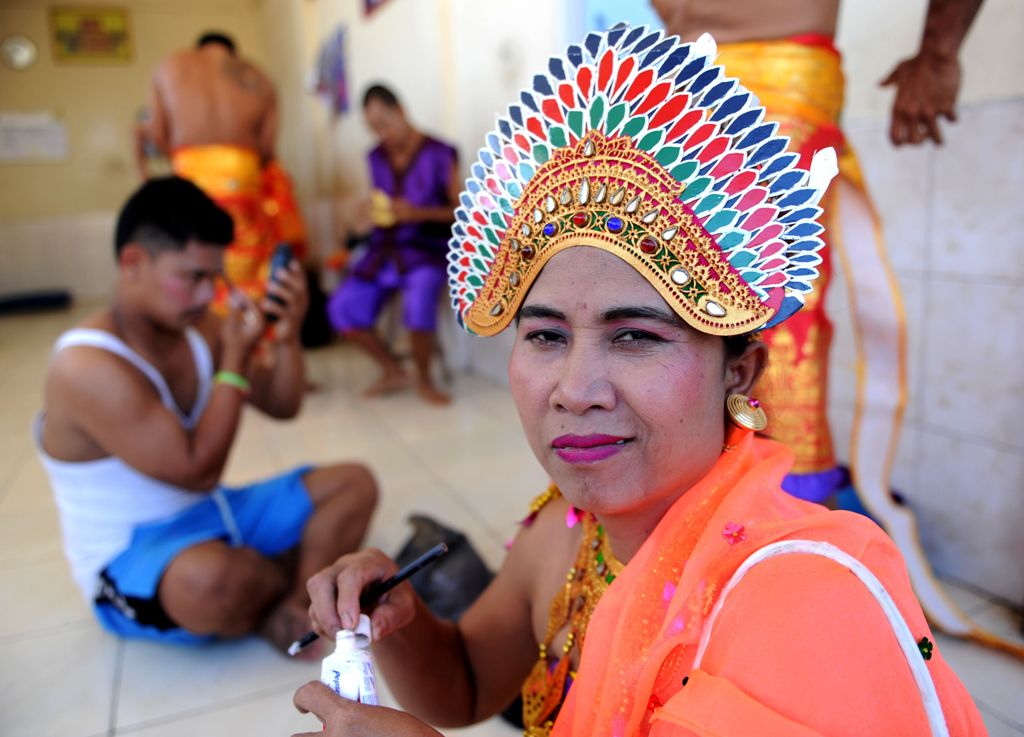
649,245
580,219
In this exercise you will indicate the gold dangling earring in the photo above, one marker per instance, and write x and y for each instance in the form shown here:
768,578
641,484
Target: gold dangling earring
747,416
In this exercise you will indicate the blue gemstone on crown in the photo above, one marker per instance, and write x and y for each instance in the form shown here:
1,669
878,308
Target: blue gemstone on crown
614,225
550,229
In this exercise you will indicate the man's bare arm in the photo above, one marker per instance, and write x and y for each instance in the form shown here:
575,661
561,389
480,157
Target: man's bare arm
279,383
927,84
139,136
268,129
116,407
160,123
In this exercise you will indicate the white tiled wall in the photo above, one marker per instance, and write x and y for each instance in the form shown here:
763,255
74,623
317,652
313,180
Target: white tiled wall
75,252
955,228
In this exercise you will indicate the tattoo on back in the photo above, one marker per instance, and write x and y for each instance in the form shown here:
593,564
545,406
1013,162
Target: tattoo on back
243,75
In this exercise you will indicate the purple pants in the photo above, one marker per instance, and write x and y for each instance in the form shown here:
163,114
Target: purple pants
357,302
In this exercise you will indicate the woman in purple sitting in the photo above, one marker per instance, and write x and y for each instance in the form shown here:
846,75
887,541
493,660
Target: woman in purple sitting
415,190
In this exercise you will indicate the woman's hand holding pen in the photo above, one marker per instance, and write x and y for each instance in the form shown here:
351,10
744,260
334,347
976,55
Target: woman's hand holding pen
335,592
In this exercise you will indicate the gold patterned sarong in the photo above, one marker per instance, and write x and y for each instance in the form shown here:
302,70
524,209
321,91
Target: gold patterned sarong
232,177
800,84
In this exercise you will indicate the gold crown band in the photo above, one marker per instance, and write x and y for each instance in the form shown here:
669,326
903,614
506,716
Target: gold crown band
605,193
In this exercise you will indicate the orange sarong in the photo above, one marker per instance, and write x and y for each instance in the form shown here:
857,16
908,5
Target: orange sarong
280,206
800,648
232,177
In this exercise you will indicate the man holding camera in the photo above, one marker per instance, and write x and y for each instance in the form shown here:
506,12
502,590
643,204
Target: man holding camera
142,404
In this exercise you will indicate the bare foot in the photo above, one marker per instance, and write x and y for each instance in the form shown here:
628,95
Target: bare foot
432,395
388,384
286,623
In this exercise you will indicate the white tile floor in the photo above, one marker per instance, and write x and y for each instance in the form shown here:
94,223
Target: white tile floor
60,675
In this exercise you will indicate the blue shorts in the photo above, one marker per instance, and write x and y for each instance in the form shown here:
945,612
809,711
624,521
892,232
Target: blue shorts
268,516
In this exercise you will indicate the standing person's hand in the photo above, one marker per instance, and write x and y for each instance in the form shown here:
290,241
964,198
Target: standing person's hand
288,286
926,88
334,595
240,331
344,718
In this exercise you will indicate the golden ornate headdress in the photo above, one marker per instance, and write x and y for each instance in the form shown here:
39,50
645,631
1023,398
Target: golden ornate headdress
639,145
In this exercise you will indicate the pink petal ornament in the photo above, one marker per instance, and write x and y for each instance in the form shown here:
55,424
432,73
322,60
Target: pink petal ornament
733,532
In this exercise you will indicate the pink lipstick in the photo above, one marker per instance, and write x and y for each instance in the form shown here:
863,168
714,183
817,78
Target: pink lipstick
588,448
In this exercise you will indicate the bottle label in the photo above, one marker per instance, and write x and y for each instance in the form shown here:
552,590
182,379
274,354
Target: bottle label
368,685
351,678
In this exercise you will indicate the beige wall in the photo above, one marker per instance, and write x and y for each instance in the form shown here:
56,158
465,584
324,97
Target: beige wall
98,102
287,62
399,45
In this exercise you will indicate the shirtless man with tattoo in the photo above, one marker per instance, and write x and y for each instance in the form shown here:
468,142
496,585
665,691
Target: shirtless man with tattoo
215,114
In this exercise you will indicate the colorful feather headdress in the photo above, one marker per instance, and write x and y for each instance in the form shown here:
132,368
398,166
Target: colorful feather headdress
639,145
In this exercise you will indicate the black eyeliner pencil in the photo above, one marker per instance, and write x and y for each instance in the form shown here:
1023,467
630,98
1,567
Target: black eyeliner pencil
377,589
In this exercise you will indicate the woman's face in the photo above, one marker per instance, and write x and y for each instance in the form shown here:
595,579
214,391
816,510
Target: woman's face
387,122
622,402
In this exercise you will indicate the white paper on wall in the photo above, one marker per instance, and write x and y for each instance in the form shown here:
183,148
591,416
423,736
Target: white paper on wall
27,137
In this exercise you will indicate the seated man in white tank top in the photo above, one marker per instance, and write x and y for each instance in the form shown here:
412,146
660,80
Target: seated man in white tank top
142,403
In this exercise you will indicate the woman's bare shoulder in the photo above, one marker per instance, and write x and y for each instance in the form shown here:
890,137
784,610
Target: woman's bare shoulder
545,546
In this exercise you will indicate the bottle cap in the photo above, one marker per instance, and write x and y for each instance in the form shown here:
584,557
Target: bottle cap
362,634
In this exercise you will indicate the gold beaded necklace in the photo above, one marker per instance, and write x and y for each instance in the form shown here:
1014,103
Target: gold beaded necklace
594,570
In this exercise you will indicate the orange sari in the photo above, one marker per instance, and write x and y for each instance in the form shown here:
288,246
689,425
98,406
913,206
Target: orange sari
800,647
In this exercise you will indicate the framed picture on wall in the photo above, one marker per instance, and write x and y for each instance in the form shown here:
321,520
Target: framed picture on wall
371,5
91,34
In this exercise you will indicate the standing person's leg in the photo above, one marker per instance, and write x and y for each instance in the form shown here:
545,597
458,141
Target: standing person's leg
422,353
393,376
421,288
353,310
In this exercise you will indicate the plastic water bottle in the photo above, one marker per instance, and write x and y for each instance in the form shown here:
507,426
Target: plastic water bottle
348,671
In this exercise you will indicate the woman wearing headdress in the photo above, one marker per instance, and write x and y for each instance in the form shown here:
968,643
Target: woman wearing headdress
636,220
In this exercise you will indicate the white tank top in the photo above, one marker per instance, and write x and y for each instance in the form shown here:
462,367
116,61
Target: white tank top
101,502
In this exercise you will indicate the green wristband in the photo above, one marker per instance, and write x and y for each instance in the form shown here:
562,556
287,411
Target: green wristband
232,379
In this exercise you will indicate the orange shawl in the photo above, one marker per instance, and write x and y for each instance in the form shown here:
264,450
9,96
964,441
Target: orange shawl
800,649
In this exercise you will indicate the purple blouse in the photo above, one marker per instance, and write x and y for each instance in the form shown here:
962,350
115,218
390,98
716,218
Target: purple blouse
424,183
